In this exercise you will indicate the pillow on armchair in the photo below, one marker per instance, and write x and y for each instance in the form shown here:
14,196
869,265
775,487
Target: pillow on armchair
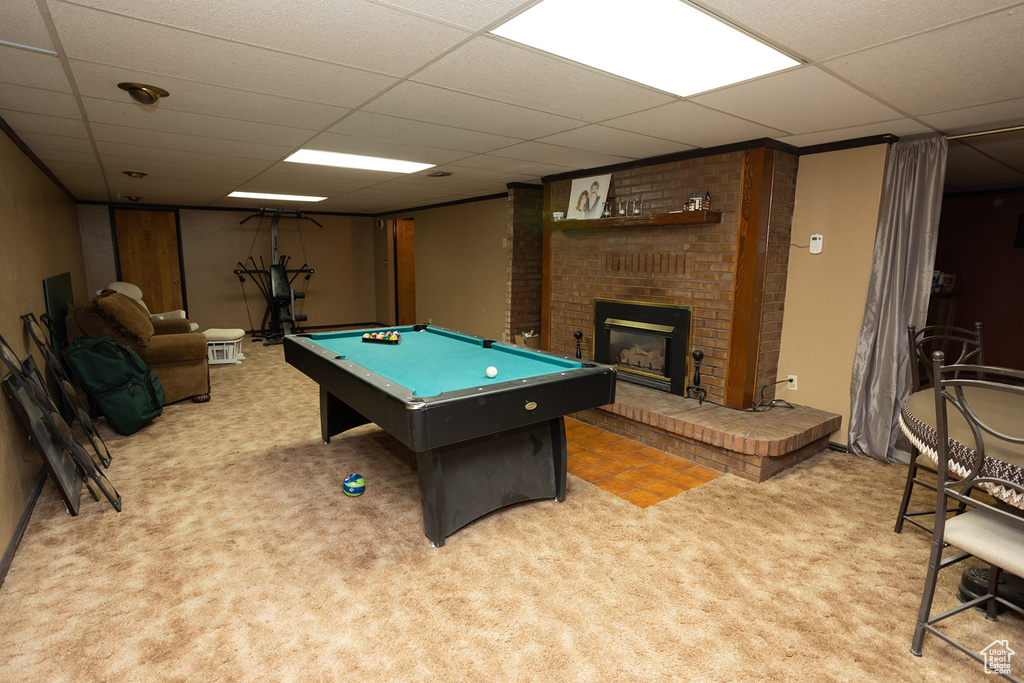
125,315
135,293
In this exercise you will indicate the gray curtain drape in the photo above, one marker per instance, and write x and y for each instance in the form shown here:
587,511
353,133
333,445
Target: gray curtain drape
901,277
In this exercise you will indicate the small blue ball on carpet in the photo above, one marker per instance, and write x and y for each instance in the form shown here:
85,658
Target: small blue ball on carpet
354,485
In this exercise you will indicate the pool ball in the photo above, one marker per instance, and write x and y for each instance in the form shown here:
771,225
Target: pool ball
492,371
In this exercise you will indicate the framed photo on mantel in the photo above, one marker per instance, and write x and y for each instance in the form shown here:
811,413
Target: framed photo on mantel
588,196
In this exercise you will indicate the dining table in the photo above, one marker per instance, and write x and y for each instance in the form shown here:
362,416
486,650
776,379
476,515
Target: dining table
1001,410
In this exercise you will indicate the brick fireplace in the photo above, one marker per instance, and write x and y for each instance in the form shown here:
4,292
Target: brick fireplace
726,266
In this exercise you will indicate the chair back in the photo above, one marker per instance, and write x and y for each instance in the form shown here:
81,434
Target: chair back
957,344
980,425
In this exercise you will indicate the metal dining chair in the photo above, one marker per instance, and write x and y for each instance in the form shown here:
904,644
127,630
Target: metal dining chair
979,444
960,345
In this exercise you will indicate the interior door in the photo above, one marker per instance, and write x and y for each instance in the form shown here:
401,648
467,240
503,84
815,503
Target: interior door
148,256
405,271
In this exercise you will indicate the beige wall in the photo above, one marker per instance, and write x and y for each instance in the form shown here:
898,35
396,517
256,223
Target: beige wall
461,261
838,195
39,233
341,291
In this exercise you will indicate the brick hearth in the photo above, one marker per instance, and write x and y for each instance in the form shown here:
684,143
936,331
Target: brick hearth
753,445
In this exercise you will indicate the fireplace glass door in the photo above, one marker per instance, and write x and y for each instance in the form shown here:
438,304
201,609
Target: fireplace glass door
639,351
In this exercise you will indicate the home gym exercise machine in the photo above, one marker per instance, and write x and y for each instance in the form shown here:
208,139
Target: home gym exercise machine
275,281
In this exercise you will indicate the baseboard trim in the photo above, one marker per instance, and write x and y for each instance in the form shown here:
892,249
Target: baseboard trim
12,547
842,448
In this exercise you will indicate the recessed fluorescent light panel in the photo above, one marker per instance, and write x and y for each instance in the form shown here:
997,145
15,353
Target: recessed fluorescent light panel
281,197
313,156
666,44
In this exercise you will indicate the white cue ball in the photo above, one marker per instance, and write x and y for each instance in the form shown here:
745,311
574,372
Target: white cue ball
492,371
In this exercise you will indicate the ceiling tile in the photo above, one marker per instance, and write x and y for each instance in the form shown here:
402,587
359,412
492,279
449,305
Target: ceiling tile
552,154
135,155
100,81
23,24
436,105
897,127
488,162
502,71
825,102
187,143
118,41
39,123
406,131
157,118
974,119
350,33
21,67
939,71
692,125
614,141
41,141
471,14
38,101
820,29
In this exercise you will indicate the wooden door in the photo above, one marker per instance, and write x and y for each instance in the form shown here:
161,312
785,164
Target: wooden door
405,271
148,256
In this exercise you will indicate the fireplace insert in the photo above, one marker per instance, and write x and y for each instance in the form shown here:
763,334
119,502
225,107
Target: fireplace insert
648,343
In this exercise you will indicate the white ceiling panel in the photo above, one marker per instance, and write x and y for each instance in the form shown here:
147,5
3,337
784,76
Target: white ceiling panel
983,117
898,127
101,82
155,118
501,71
946,68
22,24
436,105
825,102
340,32
489,162
38,101
393,130
614,141
552,154
41,141
39,123
119,41
692,125
35,69
471,14
188,143
819,29
139,157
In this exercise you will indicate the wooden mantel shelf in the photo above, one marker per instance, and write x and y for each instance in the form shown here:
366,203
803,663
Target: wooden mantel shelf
678,218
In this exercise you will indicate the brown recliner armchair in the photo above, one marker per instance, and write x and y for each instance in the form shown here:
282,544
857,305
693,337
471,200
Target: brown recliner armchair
177,356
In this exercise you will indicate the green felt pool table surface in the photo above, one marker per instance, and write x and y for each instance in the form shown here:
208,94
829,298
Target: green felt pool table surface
433,361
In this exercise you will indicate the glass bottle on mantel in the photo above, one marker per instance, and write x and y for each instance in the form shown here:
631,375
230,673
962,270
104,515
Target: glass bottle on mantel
638,206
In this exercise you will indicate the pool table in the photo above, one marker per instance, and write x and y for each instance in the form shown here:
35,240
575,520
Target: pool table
481,443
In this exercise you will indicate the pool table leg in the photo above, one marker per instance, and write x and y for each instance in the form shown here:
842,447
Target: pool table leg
462,482
336,416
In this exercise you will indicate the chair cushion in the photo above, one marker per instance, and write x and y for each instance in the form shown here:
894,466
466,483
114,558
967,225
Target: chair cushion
129,290
125,315
989,538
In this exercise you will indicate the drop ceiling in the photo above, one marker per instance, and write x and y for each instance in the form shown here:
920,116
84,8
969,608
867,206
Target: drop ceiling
252,81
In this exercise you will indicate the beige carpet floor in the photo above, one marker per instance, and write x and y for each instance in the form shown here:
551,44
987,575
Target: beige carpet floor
238,558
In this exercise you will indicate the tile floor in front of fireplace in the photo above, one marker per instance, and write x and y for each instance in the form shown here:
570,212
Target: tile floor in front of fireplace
640,474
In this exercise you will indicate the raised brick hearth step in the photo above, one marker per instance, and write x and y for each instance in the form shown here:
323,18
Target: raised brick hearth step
753,445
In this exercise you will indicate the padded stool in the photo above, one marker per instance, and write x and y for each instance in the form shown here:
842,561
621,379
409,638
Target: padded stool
224,345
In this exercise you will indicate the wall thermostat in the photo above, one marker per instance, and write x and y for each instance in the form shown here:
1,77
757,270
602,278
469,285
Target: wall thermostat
816,241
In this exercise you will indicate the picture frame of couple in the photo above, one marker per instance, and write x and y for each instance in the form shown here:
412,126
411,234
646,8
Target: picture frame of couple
588,197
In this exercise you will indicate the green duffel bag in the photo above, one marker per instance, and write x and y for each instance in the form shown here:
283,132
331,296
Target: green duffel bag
127,392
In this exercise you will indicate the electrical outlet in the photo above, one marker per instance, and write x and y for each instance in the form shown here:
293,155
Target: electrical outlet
791,382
